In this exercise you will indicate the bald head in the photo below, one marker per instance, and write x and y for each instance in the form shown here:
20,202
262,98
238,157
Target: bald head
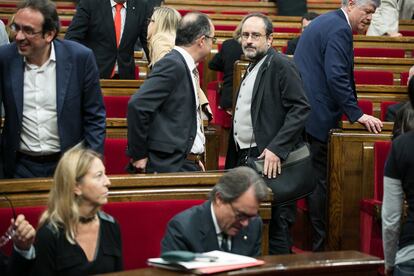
192,26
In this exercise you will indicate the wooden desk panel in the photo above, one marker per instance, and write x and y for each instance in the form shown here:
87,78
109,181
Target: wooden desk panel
343,263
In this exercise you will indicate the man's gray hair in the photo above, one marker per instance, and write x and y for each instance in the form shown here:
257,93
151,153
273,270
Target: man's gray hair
359,3
236,182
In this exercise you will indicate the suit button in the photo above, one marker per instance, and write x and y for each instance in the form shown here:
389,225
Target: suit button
235,133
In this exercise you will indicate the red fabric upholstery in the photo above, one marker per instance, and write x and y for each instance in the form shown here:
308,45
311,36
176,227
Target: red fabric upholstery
115,157
407,32
384,108
235,12
404,78
222,162
65,22
136,72
366,107
370,221
32,214
184,12
220,117
286,30
374,77
143,225
379,52
116,106
225,27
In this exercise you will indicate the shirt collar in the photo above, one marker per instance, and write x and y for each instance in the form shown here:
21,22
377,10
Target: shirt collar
52,57
113,3
187,57
213,216
347,17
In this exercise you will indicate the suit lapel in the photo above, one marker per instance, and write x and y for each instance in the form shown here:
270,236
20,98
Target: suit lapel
108,18
129,20
207,231
17,73
238,243
63,74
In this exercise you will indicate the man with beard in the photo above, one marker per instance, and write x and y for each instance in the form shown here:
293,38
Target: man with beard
325,59
51,94
229,221
269,117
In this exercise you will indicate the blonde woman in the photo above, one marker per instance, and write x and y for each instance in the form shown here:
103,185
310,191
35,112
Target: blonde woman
161,32
74,236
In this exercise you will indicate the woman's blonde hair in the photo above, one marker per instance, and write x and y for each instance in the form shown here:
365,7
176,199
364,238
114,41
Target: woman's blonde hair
165,20
63,205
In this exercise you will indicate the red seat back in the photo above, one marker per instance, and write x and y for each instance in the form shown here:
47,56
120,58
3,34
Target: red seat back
381,150
116,106
404,78
115,156
379,52
366,107
374,77
143,225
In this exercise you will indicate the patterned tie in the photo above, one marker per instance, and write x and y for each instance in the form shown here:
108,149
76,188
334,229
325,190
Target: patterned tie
224,242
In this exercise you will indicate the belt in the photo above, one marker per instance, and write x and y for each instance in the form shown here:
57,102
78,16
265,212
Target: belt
195,157
54,157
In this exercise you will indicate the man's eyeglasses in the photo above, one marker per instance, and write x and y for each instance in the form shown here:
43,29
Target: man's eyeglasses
239,215
10,231
213,38
26,30
254,36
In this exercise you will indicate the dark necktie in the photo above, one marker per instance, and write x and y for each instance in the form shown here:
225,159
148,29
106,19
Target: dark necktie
224,243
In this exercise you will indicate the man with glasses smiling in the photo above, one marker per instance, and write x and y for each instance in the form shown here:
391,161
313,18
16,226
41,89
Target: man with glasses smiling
229,221
270,112
51,94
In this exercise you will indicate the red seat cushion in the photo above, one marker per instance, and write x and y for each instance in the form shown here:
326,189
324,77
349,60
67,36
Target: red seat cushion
407,32
374,77
143,225
225,27
381,151
115,156
384,108
286,30
116,106
366,107
404,78
379,52
370,228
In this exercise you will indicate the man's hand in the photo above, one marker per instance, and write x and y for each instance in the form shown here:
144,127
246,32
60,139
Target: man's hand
272,164
141,164
24,234
371,123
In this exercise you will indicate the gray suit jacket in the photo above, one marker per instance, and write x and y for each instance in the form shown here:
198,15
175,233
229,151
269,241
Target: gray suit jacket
193,230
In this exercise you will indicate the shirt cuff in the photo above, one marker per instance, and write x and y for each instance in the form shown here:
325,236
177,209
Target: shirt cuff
27,254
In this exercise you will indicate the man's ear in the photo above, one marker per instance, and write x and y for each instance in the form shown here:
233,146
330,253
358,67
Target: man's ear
50,35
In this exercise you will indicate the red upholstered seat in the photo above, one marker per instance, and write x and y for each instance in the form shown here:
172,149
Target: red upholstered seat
404,78
286,30
384,108
225,27
370,215
116,106
115,156
374,77
379,52
407,32
220,117
65,22
143,225
366,107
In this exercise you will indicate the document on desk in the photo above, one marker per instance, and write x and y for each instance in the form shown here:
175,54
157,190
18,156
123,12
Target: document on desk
223,261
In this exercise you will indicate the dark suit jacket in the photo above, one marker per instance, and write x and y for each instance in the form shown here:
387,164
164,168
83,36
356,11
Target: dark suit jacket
15,265
80,108
291,45
291,7
93,26
282,110
223,61
193,230
162,116
325,59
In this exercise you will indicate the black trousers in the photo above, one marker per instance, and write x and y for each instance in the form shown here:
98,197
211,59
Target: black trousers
283,217
318,200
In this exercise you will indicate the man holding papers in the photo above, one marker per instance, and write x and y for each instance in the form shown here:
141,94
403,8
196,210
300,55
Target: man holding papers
229,221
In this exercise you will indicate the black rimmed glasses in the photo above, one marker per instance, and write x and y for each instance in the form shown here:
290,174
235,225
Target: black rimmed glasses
213,38
239,215
254,36
8,235
26,30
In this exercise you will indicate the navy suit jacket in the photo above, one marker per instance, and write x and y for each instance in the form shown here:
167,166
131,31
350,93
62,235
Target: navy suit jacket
193,230
93,26
325,57
80,108
162,122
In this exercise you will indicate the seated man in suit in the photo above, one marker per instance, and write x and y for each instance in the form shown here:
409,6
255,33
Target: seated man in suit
23,250
306,20
227,222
